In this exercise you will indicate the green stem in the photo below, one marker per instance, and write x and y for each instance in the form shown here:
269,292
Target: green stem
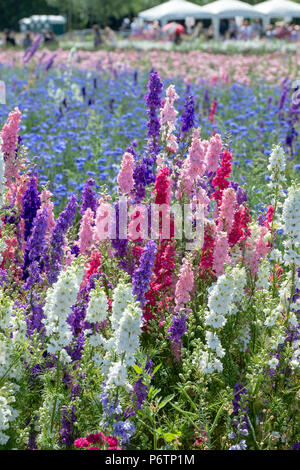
56,390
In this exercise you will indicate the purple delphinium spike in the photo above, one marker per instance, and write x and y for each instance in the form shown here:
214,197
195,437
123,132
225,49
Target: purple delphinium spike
241,195
89,197
29,53
188,115
140,181
30,205
57,240
119,244
66,433
153,102
36,248
142,274
177,328
240,420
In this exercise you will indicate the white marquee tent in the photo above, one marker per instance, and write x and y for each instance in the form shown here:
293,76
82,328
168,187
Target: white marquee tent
278,9
230,9
174,10
180,9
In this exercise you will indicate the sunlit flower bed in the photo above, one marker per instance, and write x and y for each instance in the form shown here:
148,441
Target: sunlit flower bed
124,328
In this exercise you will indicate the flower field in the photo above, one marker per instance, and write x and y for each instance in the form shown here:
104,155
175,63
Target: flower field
150,251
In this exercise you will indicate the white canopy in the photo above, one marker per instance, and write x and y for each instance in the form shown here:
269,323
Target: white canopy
232,8
279,9
174,10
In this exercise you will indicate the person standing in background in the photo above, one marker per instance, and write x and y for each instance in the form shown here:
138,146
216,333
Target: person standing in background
27,41
97,36
256,29
232,29
9,38
189,24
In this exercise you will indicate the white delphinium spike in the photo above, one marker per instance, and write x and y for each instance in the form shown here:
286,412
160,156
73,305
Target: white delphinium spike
59,300
263,275
98,306
223,301
96,313
291,226
127,335
122,296
276,167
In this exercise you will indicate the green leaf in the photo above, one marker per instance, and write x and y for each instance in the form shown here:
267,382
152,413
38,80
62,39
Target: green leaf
165,401
137,369
170,436
157,368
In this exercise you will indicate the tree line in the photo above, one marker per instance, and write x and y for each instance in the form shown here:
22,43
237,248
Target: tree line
79,13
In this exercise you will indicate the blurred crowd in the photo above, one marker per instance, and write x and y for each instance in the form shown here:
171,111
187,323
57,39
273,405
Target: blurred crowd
10,39
151,30
229,29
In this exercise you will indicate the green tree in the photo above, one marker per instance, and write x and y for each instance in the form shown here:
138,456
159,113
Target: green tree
87,12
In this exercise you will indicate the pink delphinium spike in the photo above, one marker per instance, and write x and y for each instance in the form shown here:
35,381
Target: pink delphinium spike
103,221
48,205
9,135
185,284
194,166
213,152
197,165
227,210
137,225
86,231
125,177
168,117
220,255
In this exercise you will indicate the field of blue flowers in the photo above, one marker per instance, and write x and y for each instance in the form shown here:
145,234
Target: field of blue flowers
83,129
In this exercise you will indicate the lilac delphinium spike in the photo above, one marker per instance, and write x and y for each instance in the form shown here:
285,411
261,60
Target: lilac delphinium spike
142,274
29,53
30,205
284,94
50,62
57,240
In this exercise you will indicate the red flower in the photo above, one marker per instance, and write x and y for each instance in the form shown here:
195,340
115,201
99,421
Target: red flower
212,111
223,172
